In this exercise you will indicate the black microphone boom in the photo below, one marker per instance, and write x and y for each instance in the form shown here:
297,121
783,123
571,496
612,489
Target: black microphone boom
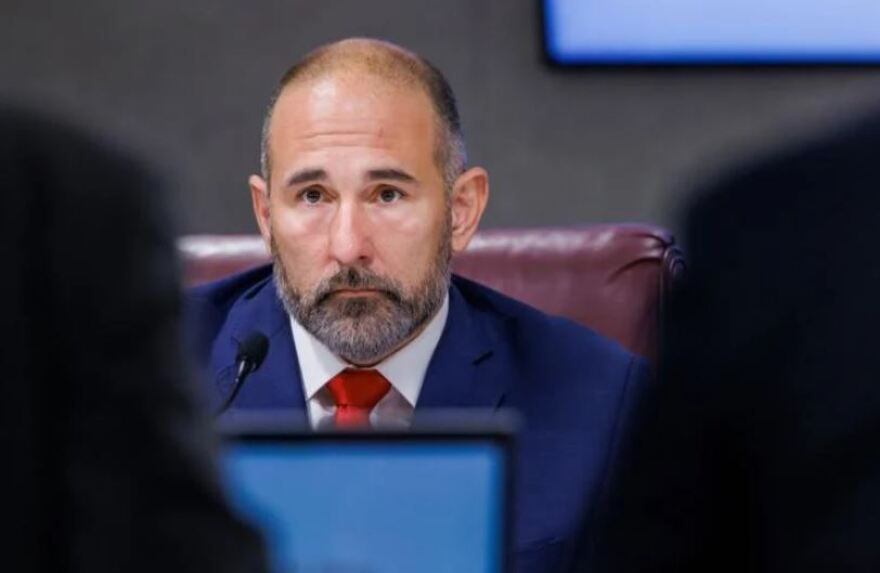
251,353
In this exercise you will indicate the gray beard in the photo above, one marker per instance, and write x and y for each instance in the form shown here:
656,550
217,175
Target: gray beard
365,329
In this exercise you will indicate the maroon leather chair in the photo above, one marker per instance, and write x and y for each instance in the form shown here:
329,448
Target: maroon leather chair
613,278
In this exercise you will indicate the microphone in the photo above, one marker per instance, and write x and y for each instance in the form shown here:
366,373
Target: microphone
251,353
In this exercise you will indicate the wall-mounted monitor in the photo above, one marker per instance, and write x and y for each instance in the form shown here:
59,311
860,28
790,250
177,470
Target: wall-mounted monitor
626,32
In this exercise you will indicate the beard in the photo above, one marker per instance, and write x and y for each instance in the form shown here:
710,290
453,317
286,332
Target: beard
365,329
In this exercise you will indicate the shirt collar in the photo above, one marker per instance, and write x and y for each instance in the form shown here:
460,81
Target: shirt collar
405,369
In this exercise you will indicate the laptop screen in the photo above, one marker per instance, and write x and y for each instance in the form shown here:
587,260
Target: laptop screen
374,505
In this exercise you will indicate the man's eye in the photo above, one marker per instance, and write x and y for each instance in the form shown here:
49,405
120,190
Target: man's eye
312,196
389,195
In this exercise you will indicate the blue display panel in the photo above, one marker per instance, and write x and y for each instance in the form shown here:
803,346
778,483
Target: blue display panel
378,508
712,31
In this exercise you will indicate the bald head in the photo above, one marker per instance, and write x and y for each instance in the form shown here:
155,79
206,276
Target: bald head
398,67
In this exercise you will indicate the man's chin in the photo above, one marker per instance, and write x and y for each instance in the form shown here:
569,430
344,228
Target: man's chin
378,296
351,306
360,341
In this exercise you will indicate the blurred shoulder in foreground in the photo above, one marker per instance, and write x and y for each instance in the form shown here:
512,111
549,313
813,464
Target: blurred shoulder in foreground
760,451
107,463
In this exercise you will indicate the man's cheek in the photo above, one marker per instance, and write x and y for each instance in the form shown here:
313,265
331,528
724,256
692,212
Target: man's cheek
306,260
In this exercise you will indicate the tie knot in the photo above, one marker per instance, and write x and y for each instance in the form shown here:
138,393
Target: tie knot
361,389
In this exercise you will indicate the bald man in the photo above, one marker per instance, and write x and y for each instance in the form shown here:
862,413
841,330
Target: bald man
364,196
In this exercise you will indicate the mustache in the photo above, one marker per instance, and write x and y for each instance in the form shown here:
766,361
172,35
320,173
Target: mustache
357,278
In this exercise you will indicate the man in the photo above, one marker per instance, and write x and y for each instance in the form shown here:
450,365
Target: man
106,460
761,451
363,198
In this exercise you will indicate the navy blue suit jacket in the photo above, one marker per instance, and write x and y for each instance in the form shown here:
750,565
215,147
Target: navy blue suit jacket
574,390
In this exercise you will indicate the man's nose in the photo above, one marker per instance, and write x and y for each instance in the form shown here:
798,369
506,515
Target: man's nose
350,240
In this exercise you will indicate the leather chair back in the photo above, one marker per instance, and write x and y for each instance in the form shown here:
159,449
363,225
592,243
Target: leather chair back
613,278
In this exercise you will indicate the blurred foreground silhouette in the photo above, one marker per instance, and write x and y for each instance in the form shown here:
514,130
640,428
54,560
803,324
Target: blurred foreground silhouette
107,464
759,451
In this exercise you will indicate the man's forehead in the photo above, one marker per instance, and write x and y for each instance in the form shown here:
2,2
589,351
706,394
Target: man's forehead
314,174
352,96
350,111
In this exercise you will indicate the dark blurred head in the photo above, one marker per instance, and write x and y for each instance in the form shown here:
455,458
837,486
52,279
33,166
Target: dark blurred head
107,463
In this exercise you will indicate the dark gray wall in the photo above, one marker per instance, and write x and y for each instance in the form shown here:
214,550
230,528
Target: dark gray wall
186,81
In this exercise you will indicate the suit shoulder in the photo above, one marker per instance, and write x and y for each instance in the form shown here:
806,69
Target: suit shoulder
535,333
222,293
207,306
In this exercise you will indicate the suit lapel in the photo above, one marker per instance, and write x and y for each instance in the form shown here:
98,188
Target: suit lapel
466,346
277,383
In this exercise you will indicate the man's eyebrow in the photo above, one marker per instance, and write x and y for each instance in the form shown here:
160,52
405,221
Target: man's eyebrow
390,174
306,176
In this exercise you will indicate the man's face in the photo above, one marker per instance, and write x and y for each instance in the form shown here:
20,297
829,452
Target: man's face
356,212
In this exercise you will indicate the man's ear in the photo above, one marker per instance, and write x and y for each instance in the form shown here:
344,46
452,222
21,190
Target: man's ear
470,192
260,201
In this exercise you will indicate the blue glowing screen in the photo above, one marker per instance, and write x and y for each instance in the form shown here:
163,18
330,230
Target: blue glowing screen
370,507
712,31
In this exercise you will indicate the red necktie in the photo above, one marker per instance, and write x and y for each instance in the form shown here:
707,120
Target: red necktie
356,392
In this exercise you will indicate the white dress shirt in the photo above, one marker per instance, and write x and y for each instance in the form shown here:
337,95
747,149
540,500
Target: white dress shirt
405,370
